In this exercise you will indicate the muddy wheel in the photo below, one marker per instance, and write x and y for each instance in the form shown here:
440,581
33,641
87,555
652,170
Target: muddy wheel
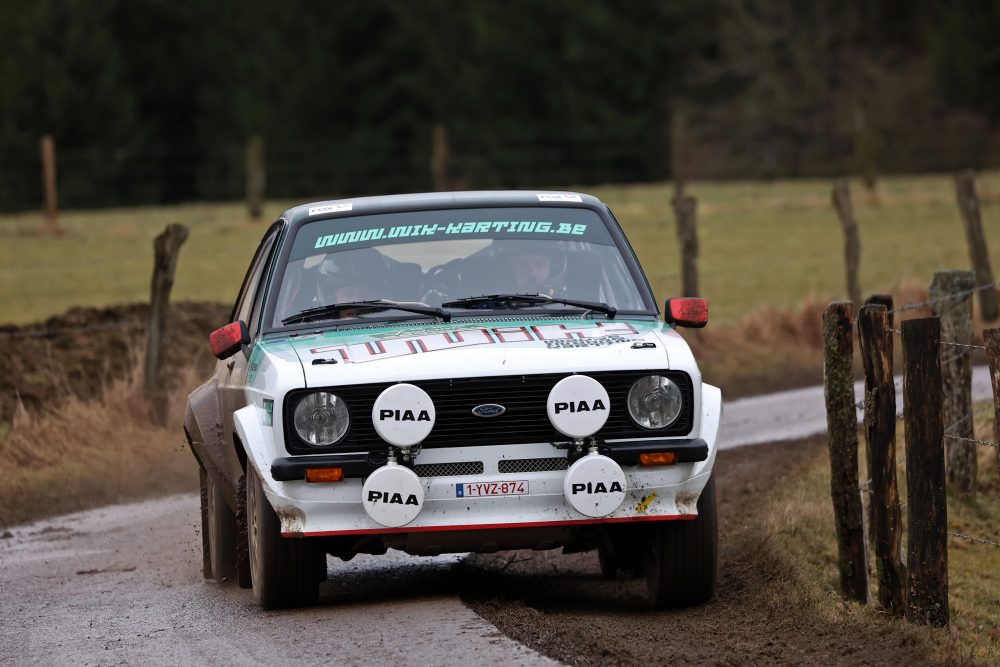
221,532
242,546
681,558
621,552
285,571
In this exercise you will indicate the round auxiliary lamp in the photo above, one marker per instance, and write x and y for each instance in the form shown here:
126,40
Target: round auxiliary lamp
578,407
403,416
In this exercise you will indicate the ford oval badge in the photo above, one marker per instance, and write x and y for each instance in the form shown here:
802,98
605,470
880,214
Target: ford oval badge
489,410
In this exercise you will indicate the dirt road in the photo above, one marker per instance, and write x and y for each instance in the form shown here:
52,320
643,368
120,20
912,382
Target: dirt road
562,606
123,585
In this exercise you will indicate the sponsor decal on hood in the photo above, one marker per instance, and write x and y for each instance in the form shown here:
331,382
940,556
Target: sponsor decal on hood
365,346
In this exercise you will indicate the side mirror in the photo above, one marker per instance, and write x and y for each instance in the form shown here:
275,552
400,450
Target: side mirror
230,339
686,312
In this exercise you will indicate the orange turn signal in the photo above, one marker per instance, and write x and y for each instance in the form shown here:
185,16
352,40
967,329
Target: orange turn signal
657,458
316,475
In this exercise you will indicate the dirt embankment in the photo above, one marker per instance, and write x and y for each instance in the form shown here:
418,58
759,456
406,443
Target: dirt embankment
82,351
85,436
764,612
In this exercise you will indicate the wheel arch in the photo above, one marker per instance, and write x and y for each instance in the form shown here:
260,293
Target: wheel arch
206,438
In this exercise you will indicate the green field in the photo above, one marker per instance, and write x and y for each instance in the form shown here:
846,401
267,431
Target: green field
762,245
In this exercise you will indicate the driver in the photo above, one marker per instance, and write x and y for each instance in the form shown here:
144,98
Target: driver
352,275
535,268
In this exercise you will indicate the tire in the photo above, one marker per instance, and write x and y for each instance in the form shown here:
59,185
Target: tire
621,552
285,572
682,557
242,547
221,532
206,548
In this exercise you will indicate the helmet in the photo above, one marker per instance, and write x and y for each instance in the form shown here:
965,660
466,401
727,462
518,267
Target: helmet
352,275
535,266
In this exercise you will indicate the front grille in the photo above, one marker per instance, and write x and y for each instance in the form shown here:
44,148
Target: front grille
515,466
525,419
448,469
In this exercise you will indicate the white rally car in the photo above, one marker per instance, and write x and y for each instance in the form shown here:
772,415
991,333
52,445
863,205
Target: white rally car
454,372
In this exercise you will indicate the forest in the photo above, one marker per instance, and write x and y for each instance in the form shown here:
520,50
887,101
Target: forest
152,101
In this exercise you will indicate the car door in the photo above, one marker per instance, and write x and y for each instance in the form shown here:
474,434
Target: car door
232,372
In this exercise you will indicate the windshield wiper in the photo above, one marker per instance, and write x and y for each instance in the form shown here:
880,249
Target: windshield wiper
522,300
331,309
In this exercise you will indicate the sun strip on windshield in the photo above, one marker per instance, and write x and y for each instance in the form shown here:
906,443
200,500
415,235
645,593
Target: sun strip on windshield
566,224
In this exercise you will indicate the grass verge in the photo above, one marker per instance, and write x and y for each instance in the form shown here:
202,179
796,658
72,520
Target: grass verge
79,453
799,533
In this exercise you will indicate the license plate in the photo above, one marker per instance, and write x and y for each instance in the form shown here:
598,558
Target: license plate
478,489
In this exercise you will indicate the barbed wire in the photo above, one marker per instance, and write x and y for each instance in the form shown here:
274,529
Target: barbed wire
949,343
915,305
969,346
954,357
984,443
972,538
957,422
860,405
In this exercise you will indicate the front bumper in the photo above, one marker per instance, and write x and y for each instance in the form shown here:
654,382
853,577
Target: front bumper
625,453
653,493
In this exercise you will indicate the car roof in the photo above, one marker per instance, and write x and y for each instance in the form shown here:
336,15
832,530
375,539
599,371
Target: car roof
430,200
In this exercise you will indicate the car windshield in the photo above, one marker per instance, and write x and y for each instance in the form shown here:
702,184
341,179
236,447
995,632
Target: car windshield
437,257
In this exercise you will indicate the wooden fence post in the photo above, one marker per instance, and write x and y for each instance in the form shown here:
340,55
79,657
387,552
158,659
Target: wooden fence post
48,147
256,176
992,339
880,435
440,155
678,132
166,247
927,543
686,212
968,204
685,207
852,243
841,419
881,300
955,310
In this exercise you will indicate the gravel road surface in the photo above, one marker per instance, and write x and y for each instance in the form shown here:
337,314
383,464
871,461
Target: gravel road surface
123,585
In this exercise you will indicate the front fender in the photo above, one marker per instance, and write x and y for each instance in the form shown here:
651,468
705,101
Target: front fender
261,449
711,421
207,439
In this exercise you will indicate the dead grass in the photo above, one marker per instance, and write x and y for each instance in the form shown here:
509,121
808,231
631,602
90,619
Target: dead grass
798,534
78,453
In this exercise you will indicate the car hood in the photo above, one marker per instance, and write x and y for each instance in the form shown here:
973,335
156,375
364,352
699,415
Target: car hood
487,347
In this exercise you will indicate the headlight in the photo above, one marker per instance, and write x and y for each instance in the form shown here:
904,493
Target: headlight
654,401
321,418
